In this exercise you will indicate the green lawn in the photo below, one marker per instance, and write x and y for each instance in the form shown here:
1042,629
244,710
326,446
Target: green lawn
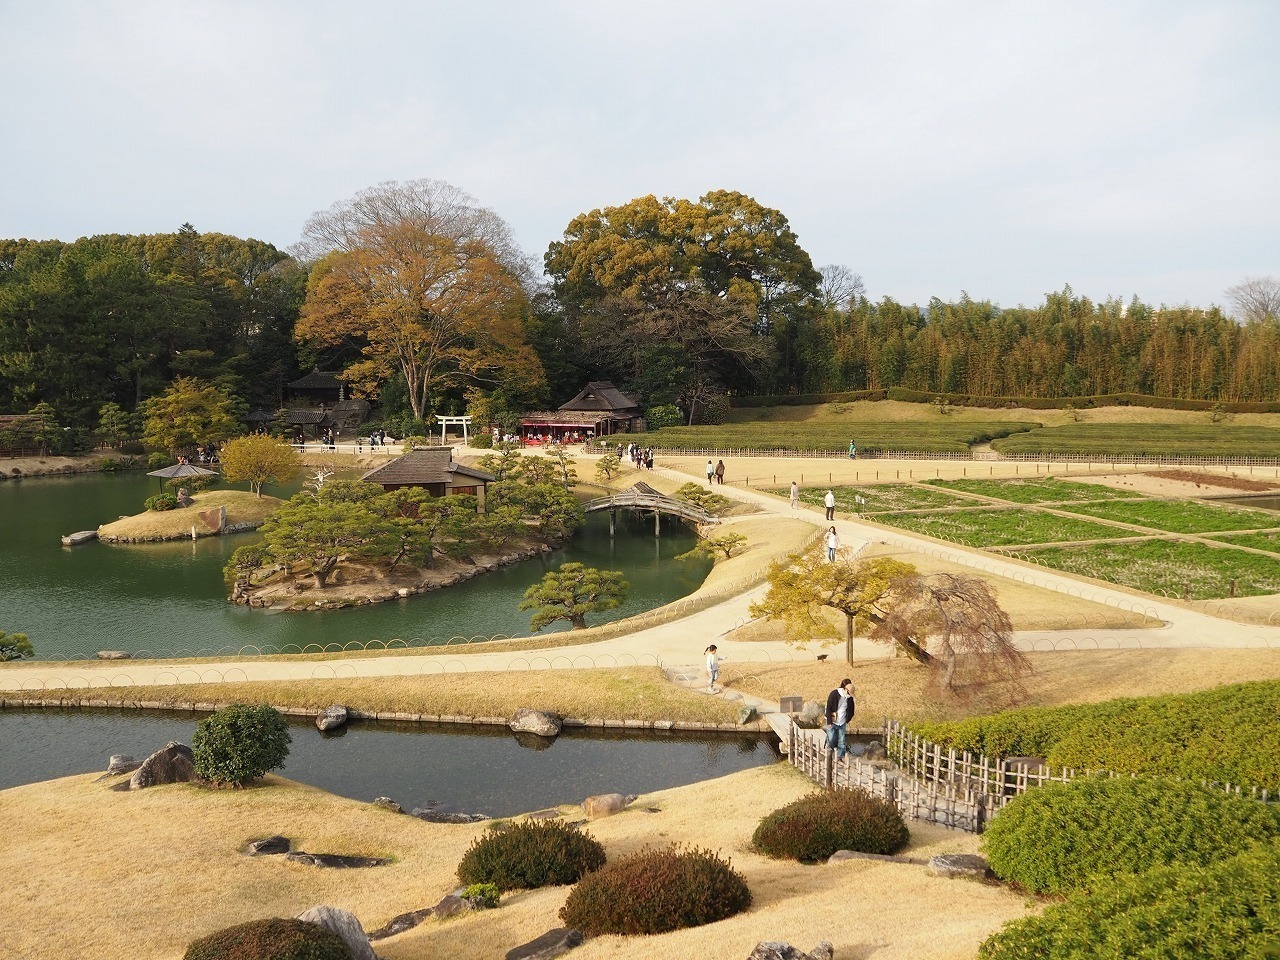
1000,528
1035,490
1259,541
1178,516
944,434
885,496
1168,567
1121,440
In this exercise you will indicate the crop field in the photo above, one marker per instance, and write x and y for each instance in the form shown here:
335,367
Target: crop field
1001,528
1120,440
885,497
1169,567
942,434
1179,516
1259,541
1036,490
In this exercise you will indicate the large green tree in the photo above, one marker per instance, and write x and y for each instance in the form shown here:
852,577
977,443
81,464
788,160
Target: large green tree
190,412
258,460
427,286
570,592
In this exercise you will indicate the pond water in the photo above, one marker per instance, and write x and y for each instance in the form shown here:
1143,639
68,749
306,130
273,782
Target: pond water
454,768
1257,503
169,599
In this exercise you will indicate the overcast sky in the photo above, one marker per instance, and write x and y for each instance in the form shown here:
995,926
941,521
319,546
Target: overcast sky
1003,149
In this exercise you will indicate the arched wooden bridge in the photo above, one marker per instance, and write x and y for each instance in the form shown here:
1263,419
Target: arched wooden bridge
641,497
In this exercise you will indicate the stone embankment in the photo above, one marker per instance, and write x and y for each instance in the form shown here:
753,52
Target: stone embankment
245,527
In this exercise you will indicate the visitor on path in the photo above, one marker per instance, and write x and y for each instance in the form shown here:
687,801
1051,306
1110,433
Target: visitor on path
711,470
719,471
853,450
840,708
713,667
795,496
830,501
833,544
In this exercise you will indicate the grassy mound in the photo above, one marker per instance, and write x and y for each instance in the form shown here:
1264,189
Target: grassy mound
242,507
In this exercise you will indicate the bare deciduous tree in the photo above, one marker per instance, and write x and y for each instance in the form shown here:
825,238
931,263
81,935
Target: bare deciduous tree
840,287
1256,298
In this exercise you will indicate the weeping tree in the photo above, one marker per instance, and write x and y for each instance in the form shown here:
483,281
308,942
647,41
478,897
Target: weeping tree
951,623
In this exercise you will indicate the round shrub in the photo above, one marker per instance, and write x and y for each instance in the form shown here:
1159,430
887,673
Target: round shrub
534,853
1224,910
655,891
162,501
238,744
1054,838
483,895
274,939
814,827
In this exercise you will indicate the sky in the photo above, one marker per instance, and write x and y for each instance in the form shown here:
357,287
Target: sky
998,149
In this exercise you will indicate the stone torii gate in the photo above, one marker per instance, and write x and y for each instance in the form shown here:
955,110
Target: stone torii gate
446,422
641,497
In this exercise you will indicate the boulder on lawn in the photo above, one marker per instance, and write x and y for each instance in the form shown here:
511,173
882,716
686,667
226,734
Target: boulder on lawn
172,763
781,950
541,722
604,805
344,925
550,944
959,865
387,804
811,715
331,717
269,846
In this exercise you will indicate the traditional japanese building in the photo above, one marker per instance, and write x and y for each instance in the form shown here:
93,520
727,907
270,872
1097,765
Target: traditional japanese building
600,409
433,469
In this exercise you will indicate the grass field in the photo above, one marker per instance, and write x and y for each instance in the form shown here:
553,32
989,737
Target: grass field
1035,490
1259,541
1120,440
885,497
942,434
1001,528
1176,568
1179,516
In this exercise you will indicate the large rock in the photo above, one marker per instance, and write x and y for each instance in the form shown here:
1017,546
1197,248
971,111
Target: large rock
269,846
874,752
604,805
114,655
387,804
542,723
959,865
345,925
439,816
781,950
335,861
811,715
550,944
172,763
331,717
746,714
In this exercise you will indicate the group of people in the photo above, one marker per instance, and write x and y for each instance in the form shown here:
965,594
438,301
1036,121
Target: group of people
715,471
640,459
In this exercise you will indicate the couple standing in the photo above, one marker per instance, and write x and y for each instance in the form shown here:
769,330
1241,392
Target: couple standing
840,709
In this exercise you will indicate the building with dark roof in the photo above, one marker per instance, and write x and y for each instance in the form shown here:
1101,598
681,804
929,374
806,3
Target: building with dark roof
599,409
433,469
319,388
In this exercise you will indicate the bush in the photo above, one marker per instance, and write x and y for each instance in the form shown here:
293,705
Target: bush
814,827
1054,838
535,853
715,411
158,460
1224,910
655,891
161,502
274,939
482,441
483,895
238,744
663,415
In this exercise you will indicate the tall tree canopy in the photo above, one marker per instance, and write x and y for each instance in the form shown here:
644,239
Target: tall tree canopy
426,285
667,293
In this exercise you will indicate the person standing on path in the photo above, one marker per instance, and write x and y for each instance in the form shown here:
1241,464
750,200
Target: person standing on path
830,501
719,471
840,709
713,668
853,450
795,496
711,470
833,544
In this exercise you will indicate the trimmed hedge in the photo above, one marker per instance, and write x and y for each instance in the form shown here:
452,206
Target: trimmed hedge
239,744
814,827
907,395
655,891
274,939
1055,838
1224,911
533,853
1228,734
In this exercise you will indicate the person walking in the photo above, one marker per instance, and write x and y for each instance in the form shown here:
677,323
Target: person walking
830,502
711,470
713,667
840,709
795,496
719,471
833,544
853,450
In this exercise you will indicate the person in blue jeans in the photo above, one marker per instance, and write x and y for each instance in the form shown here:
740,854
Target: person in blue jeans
840,708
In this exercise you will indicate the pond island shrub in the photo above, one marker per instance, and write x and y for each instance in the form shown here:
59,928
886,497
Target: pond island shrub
1221,911
273,939
161,501
814,827
239,744
529,854
656,891
1060,837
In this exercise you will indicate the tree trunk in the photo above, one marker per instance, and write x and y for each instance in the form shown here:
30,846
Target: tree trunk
578,620
848,637
322,570
913,650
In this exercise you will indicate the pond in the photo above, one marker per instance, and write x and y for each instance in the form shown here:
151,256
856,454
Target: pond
451,767
169,599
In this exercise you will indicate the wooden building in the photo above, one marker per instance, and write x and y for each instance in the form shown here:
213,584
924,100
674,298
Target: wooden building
319,388
598,410
433,469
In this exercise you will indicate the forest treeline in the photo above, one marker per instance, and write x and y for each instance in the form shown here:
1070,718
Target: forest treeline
680,302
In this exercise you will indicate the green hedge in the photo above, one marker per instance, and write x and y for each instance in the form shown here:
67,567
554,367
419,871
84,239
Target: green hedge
1056,838
808,399
1029,403
530,854
815,826
1228,734
1224,911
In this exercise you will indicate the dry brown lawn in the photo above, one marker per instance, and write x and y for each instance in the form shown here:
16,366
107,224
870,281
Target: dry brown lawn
114,875
242,507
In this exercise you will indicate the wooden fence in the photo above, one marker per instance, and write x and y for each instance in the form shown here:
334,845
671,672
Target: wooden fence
940,784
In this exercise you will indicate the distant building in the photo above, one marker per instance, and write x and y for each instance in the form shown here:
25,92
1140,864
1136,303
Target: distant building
319,388
600,409
433,469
